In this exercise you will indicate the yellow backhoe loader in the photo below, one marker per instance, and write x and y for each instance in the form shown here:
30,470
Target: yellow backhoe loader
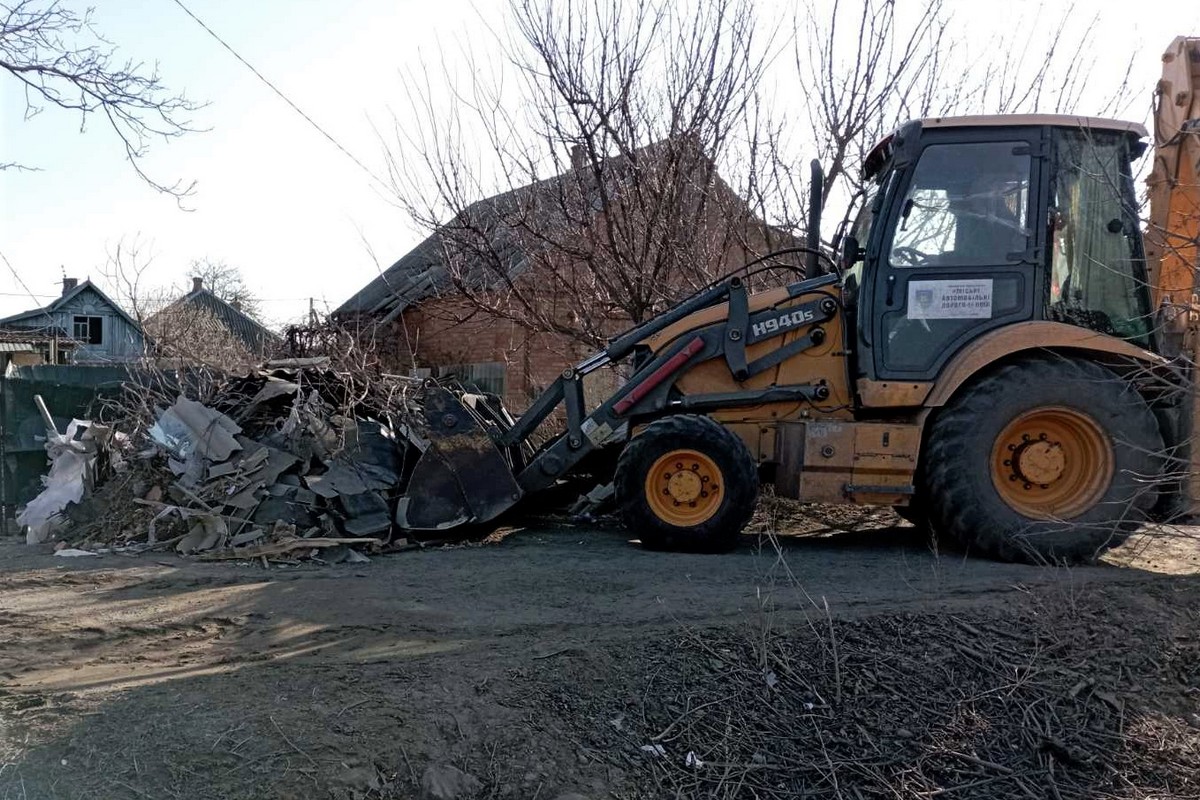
996,353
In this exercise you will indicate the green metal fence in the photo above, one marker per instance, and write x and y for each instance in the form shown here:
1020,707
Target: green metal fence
69,392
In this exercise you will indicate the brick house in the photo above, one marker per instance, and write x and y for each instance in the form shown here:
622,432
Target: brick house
516,286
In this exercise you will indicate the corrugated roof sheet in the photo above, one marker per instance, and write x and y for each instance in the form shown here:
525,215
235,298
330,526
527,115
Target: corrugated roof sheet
253,336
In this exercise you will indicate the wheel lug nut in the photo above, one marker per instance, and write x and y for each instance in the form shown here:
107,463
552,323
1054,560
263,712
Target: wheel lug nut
704,494
1012,477
704,479
1028,486
1007,462
678,465
1012,447
1045,486
666,491
692,504
676,502
1042,436
1024,437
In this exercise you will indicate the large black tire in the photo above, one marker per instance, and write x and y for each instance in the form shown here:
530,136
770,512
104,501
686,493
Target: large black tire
970,441
729,466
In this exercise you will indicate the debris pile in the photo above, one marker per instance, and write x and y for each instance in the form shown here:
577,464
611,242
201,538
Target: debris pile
77,457
287,461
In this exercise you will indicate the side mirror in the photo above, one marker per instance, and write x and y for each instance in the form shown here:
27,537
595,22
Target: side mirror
851,253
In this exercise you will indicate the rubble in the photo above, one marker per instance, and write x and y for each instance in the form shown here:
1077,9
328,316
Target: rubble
290,461
74,459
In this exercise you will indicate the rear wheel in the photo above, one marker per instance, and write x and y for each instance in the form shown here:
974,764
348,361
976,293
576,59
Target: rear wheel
1043,460
686,483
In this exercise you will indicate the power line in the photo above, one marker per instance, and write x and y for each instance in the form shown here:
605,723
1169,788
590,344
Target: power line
282,96
16,275
32,296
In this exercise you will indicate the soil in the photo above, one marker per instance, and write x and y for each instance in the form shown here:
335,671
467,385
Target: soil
559,661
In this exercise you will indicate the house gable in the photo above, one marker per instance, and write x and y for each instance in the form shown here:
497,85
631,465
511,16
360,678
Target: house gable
101,330
491,241
251,334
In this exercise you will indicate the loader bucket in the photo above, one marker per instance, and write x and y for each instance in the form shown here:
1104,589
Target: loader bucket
461,478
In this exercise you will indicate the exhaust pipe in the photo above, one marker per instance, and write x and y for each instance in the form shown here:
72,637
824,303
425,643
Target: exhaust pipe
816,189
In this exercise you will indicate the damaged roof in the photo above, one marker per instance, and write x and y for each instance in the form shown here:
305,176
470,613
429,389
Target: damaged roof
422,272
12,339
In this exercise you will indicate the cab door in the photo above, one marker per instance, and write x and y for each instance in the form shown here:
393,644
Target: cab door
959,253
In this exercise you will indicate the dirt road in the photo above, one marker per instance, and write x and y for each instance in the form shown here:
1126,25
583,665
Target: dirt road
158,677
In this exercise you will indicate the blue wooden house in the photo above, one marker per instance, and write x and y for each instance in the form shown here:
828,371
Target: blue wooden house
99,330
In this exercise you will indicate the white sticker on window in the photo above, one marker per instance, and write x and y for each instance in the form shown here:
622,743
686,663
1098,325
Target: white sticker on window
967,299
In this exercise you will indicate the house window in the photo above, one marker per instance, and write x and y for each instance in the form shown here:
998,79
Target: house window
89,330
483,377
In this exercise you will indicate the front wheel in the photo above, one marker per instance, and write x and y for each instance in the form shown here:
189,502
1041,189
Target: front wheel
686,482
1043,460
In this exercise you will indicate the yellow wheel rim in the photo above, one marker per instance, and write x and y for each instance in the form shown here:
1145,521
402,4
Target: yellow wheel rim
684,488
1052,463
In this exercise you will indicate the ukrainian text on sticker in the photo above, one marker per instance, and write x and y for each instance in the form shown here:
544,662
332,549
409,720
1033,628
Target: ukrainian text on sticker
961,299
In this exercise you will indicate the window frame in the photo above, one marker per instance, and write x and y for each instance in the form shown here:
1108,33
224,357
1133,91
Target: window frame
1029,222
94,324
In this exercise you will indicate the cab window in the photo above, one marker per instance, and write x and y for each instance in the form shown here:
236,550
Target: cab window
967,205
852,276
1096,274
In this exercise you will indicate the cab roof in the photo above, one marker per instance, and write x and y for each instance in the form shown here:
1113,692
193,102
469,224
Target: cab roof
1058,120
879,154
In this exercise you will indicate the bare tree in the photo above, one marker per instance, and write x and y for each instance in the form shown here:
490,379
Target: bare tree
62,60
181,335
227,283
124,273
189,335
605,204
864,69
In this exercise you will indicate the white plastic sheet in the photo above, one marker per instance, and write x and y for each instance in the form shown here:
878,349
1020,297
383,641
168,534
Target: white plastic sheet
71,465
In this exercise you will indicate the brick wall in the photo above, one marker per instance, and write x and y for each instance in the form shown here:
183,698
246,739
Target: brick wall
445,331
449,330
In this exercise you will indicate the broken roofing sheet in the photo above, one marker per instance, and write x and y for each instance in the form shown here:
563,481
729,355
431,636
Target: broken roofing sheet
282,462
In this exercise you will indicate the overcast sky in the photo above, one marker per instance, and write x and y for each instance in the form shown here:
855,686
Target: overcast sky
274,197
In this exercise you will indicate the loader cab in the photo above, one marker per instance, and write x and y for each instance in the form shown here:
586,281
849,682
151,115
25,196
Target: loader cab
974,223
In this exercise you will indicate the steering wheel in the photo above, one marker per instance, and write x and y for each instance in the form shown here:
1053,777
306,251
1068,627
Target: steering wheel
911,255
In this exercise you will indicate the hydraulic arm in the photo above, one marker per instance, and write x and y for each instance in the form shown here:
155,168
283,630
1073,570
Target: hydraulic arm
1174,232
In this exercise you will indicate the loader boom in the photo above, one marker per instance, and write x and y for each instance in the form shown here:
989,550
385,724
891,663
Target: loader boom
1174,186
1173,233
